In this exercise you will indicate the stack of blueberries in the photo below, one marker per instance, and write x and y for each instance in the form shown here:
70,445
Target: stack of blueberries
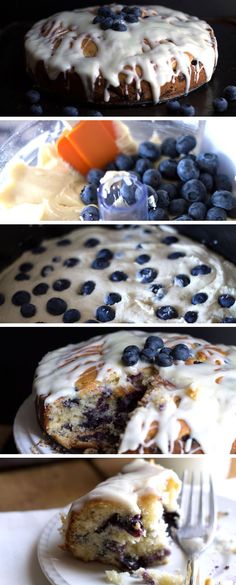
183,187
154,351
109,19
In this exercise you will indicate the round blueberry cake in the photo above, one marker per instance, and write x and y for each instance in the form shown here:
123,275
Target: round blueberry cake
129,275
134,392
125,520
118,54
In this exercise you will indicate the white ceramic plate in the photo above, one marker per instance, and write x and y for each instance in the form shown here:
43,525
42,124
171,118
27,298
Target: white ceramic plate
27,433
61,568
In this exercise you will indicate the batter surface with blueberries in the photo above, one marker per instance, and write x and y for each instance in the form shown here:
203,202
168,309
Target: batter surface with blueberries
132,275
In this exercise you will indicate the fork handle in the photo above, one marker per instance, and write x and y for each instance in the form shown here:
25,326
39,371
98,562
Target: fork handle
191,574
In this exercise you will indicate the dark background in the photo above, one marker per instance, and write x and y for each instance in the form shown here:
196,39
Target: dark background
18,10
23,347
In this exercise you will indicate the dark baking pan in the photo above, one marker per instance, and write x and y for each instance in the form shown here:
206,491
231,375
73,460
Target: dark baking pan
16,239
15,82
24,347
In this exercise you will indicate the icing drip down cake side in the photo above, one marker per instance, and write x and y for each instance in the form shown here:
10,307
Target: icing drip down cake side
118,54
124,521
133,275
132,392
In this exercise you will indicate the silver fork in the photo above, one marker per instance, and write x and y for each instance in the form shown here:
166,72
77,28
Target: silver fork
197,522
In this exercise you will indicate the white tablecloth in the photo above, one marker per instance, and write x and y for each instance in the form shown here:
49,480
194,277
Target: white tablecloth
19,533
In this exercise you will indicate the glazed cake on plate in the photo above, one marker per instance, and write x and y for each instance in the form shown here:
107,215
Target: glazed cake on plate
133,275
121,55
132,392
124,521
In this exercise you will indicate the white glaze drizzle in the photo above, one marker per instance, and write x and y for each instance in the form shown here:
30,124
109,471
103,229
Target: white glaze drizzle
153,44
136,479
201,388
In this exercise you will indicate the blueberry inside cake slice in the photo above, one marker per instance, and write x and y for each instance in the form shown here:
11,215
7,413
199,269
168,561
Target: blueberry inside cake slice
122,521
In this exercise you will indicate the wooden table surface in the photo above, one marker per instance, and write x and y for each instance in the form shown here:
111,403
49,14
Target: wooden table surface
52,485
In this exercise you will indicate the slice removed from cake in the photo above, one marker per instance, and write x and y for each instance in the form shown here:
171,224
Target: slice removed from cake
124,521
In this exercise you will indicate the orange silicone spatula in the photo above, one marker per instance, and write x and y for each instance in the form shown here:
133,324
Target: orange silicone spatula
89,144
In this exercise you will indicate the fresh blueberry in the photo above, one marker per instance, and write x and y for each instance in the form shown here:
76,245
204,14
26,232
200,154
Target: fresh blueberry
170,188
176,255
197,210
105,253
40,289
89,194
154,342
220,104
168,240
167,312
146,275
222,182
230,93
178,206
106,23
216,214
131,18
200,270
22,276
208,162
187,110
28,310
162,198
185,143
64,242
71,316
90,213
181,280
38,250
199,298
2,299
36,110
159,291
105,313
142,165
118,276
158,214
173,106
148,355
226,301
46,270
164,359
184,217
21,297
149,150
152,177
26,267
118,25
70,111
124,162
95,114
91,243
194,190
223,199
100,263
56,306
94,176
104,11
208,181
130,355
191,316
229,319
127,193
142,259
61,284
180,352
87,287
33,96
168,148
71,262
168,169
187,169
113,298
